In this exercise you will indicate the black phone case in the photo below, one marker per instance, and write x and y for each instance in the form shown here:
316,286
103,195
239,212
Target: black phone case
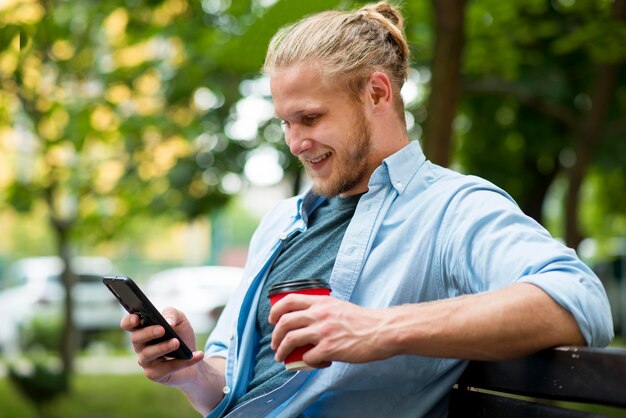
135,302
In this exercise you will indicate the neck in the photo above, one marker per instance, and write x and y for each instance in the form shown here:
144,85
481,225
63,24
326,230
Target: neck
388,138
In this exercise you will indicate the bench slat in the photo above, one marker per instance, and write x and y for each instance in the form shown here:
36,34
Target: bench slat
578,374
465,404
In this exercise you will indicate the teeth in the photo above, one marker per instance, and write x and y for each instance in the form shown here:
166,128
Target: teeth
320,158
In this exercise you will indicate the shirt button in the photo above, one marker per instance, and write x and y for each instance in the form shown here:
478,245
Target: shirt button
283,236
226,390
399,185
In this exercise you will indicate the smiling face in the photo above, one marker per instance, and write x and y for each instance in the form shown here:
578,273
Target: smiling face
326,129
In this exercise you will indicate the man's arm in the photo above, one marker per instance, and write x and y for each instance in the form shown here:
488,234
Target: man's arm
510,322
202,380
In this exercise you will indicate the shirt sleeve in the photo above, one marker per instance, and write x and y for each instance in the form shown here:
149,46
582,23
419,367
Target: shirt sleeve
490,243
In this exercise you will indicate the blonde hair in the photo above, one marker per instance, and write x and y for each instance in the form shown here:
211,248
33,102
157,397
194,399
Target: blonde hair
347,45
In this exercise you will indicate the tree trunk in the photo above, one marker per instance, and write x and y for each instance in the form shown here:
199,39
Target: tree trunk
69,334
446,79
535,193
590,135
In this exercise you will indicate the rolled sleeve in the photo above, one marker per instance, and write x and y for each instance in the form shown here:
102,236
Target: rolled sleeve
582,294
492,244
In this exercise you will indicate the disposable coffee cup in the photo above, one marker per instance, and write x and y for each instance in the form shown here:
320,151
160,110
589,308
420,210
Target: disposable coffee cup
278,291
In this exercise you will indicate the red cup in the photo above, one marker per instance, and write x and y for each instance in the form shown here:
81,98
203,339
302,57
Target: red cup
278,291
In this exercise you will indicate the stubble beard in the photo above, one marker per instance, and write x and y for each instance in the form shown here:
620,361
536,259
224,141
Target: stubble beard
349,167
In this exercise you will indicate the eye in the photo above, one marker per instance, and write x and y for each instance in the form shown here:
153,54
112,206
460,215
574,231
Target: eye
310,119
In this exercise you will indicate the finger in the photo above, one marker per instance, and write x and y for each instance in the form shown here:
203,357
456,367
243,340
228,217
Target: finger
317,357
129,322
294,339
141,337
288,322
150,353
291,303
160,370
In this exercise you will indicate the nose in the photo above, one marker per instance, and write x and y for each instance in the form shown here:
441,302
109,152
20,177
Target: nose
297,140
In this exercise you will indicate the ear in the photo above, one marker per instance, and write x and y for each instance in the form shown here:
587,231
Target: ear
379,93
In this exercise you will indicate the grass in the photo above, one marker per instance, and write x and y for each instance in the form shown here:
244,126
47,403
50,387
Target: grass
102,396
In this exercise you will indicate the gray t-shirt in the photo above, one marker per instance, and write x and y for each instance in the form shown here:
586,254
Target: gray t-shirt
310,254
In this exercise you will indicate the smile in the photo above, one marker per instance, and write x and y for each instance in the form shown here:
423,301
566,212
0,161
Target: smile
319,159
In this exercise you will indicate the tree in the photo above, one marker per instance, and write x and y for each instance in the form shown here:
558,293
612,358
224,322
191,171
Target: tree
554,70
109,120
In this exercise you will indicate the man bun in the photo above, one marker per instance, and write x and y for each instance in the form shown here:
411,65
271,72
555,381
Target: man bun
389,17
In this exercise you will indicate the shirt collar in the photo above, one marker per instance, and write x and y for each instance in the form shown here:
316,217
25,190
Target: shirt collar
400,167
308,203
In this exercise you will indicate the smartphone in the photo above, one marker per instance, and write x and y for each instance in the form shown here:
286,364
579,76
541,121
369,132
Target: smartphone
135,302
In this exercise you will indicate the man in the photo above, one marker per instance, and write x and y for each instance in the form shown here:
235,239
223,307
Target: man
428,268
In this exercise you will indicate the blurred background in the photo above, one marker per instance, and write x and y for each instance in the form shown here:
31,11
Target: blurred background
137,138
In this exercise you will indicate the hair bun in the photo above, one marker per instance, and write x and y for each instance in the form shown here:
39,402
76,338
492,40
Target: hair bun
387,11
391,19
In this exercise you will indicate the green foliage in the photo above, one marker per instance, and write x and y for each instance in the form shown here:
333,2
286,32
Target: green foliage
106,92
252,43
530,72
418,29
42,333
103,396
601,37
508,147
234,222
38,381
605,208
20,196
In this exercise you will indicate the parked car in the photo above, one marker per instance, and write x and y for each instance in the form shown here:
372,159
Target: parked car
200,292
32,290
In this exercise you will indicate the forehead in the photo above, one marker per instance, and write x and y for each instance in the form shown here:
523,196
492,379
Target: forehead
301,87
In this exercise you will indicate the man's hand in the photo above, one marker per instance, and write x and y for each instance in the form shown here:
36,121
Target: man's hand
340,331
151,357
202,381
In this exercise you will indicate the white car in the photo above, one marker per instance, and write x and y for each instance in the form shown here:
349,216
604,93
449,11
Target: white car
32,289
200,292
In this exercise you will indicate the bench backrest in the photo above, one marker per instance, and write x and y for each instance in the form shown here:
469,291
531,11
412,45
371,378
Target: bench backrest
589,376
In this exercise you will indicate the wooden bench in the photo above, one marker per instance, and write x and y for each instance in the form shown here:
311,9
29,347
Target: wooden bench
594,379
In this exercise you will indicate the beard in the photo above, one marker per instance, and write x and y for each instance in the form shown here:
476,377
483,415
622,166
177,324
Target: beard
350,164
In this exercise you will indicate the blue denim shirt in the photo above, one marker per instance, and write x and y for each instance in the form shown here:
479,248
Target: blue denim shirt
420,233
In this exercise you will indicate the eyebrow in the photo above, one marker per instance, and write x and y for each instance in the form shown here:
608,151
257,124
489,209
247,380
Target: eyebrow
300,113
